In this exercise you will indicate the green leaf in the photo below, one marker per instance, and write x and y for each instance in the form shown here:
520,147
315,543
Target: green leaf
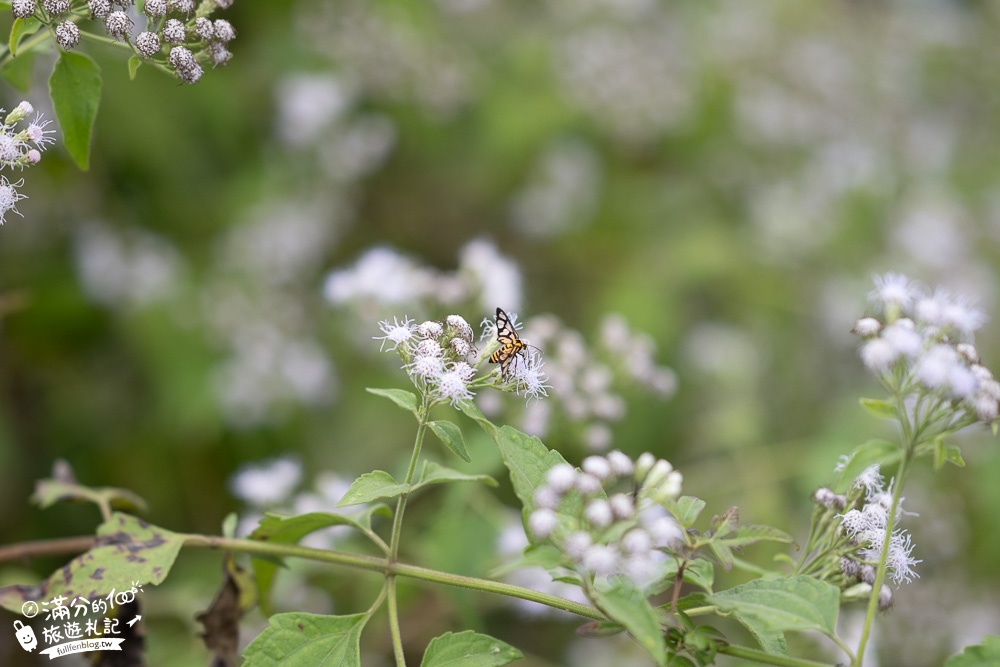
700,572
777,605
18,71
133,66
404,399
127,551
298,639
451,435
880,409
944,453
433,473
282,529
686,509
628,606
21,29
50,491
372,486
75,88
726,523
468,649
528,461
750,533
864,455
722,553
771,641
986,654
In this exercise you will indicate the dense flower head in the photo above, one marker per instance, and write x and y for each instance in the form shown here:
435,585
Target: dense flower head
22,9
920,342
67,35
435,355
601,531
865,526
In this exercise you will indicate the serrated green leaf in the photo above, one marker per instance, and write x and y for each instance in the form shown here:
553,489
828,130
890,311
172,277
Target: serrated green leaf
282,529
298,639
726,523
984,654
50,491
373,486
723,554
879,408
468,649
451,435
20,29
75,88
434,473
127,551
628,606
18,71
750,533
404,399
771,641
864,455
686,509
699,571
133,66
778,605
528,460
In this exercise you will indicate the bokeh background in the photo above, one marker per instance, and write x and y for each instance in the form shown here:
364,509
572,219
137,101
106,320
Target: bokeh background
685,201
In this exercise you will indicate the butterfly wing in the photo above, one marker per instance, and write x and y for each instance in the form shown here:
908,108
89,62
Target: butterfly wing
510,344
506,333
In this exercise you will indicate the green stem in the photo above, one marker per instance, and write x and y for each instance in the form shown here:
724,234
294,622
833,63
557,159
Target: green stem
397,529
397,636
768,658
382,565
897,493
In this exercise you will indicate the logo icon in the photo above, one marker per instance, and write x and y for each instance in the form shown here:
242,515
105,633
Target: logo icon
25,636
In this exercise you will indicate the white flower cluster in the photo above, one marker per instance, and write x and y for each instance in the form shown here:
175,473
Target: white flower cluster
585,379
599,534
385,276
20,149
866,527
925,338
435,354
194,40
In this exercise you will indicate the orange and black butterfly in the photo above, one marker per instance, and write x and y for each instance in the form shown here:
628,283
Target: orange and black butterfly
511,345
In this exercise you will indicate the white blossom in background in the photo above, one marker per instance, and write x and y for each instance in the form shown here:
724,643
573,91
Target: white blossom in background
267,483
357,148
607,517
268,371
562,191
382,275
630,78
495,278
389,59
309,104
127,268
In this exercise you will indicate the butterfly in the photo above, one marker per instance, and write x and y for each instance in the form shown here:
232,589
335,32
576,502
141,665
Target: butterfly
511,344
